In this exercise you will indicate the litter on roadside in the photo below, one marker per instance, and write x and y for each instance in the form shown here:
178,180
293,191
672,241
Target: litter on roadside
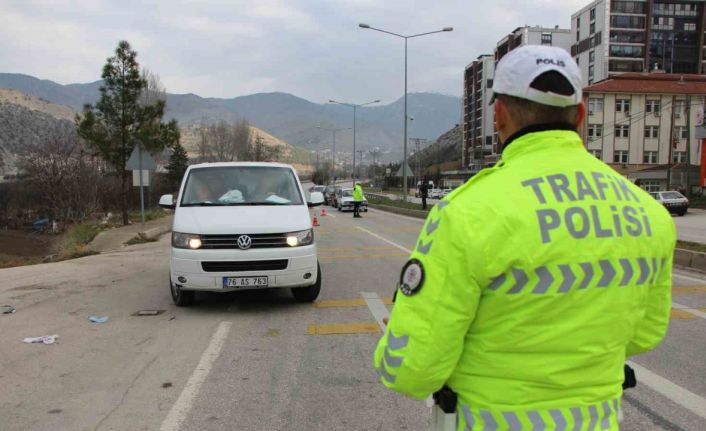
7,309
46,339
98,319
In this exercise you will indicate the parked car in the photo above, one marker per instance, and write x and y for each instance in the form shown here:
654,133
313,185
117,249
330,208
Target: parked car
330,195
434,194
316,188
240,226
674,201
444,193
345,201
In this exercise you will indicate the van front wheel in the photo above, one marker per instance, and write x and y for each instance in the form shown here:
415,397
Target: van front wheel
310,293
181,298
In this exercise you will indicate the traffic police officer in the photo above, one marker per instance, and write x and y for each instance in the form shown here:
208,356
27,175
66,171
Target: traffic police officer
531,284
357,199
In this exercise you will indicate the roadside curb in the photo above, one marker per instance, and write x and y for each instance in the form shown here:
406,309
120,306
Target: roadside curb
402,211
690,259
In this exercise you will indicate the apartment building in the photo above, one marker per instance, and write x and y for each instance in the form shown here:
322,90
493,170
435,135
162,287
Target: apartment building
617,36
536,35
479,138
478,126
645,127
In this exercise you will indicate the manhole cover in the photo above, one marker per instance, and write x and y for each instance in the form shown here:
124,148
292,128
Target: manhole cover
143,313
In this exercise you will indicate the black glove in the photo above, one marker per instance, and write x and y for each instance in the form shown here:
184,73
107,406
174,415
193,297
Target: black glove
630,380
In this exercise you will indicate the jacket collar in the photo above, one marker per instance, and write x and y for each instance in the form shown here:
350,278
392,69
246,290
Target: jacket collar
541,137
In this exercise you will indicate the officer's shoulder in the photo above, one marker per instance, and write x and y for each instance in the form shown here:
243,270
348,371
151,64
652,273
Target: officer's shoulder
476,184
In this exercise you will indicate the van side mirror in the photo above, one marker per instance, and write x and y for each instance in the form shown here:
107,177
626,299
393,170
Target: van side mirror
316,199
167,201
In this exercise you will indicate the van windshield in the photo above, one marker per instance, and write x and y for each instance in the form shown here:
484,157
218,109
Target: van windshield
241,185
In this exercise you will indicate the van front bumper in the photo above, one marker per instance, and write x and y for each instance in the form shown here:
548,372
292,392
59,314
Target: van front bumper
187,269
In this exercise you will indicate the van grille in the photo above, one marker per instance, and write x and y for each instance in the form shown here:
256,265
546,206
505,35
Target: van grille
245,265
269,240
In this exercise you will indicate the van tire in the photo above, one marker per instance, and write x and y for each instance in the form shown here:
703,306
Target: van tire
181,298
310,293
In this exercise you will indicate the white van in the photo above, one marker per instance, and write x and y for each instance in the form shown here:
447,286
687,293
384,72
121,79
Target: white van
240,226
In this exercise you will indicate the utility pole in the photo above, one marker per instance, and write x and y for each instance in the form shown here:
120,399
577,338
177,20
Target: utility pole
688,144
671,143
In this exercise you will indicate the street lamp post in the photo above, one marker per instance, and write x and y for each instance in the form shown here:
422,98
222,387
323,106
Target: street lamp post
355,107
404,161
333,156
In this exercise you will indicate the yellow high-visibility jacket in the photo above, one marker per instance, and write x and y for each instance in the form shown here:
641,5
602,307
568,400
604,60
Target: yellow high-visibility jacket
528,288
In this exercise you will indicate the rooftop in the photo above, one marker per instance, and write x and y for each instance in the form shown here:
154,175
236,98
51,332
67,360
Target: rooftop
651,83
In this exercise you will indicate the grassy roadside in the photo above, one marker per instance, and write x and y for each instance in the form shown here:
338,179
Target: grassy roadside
693,246
153,214
73,243
395,203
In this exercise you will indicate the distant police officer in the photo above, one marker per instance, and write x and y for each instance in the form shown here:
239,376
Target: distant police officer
357,199
531,284
423,193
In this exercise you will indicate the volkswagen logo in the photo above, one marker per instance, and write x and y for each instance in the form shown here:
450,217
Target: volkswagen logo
244,242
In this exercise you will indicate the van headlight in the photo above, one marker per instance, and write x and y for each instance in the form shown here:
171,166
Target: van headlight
186,240
297,239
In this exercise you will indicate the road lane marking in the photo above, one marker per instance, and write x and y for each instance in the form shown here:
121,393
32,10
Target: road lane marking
674,392
686,277
340,303
682,315
362,256
344,328
689,289
377,307
392,243
695,312
186,399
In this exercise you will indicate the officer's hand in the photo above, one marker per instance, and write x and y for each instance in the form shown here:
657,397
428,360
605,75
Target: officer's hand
385,320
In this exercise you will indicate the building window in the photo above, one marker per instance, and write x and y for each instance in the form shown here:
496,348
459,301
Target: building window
650,186
578,23
620,157
652,106
578,36
595,153
690,26
591,56
593,27
650,157
593,14
679,157
577,61
651,132
680,132
622,131
546,38
590,81
622,105
679,106
595,131
595,105
590,71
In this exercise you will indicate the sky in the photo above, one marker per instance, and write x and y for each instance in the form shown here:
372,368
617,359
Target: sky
228,48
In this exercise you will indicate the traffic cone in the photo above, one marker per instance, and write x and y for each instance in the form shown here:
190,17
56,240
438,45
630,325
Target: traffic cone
316,218
323,212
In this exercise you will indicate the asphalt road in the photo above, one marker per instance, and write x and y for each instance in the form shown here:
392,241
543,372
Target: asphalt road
257,360
692,226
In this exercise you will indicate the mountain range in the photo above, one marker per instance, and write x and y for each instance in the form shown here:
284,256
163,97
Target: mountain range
285,116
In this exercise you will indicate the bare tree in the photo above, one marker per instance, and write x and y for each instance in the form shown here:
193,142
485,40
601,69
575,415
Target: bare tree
224,142
64,176
155,91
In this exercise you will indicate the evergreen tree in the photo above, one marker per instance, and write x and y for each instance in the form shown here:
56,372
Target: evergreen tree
178,162
120,118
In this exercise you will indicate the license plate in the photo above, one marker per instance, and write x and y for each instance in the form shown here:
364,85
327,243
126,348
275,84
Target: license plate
245,282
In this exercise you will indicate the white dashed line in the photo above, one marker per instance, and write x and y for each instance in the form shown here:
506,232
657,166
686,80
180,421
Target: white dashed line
377,308
392,243
695,312
674,392
183,404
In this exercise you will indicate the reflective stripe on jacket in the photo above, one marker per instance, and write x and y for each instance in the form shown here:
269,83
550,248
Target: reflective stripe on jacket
538,277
